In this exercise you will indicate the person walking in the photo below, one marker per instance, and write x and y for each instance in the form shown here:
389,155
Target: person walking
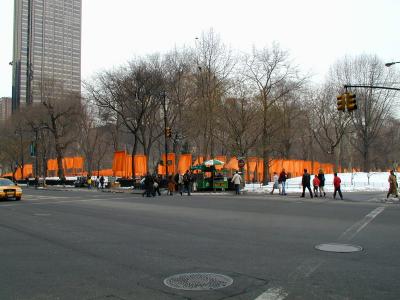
306,183
102,182
236,180
392,185
282,182
156,185
149,185
171,185
187,182
321,177
180,183
336,185
316,185
276,183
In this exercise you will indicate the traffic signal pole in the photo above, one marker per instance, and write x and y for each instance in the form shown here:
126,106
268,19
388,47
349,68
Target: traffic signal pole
370,87
165,136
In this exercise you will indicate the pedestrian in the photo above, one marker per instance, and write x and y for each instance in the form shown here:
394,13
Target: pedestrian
89,182
306,183
336,185
276,183
393,185
187,182
236,180
171,185
321,177
282,181
180,184
316,185
102,182
149,185
156,185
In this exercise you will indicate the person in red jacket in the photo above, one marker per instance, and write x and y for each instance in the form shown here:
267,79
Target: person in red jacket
315,183
336,185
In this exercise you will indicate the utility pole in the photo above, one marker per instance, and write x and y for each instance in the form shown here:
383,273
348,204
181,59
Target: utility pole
165,134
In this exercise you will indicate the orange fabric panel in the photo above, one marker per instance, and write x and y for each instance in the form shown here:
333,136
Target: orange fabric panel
78,165
68,165
232,164
185,161
119,164
140,162
171,165
52,165
28,172
140,165
105,172
7,175
250,167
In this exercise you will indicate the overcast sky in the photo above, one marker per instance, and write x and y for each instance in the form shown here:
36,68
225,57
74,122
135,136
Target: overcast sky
315,32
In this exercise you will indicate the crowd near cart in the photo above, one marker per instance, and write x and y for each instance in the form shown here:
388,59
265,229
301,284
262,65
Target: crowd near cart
208,177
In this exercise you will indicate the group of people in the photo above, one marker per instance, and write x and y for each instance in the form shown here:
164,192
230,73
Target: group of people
98,182
183,183
318,183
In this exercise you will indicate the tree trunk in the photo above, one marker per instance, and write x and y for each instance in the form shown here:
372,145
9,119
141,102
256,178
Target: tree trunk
134,149
59,153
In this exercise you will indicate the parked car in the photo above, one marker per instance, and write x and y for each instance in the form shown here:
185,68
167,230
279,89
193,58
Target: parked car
9,189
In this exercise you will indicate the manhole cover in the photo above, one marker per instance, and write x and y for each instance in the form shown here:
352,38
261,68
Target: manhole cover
198,281
341,248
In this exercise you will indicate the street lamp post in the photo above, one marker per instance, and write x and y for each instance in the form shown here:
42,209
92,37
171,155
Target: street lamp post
389,64
165,133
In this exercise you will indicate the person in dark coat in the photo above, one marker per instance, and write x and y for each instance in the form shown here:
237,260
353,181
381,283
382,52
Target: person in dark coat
306,183
282,182
187,181
102,182
149,185
321,177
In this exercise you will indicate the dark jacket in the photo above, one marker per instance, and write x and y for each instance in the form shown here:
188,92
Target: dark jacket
282,177
305,181
321,178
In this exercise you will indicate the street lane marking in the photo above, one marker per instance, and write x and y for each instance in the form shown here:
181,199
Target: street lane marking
273,294
352,231
308,267
28,201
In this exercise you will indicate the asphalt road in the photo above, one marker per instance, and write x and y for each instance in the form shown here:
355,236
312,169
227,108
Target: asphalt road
93,245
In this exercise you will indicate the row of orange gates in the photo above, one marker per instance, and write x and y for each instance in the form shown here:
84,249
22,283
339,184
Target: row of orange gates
122,166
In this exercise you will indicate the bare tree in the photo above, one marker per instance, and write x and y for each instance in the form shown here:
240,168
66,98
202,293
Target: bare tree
326,124
374,105
272,76
61,111
214,64
126,96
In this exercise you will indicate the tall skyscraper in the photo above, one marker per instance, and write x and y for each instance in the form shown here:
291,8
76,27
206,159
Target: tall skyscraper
5,109
47,48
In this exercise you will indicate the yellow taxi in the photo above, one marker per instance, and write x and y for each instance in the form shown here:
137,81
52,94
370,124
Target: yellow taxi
9,189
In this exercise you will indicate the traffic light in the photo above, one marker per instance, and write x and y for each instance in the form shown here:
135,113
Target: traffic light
351,102
341,102
168,132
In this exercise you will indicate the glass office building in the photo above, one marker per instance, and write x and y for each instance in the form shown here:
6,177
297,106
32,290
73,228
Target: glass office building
47,48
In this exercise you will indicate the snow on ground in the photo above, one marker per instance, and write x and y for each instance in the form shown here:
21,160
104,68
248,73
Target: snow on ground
351,182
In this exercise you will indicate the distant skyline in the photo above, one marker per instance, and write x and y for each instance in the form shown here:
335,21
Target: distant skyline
316,33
